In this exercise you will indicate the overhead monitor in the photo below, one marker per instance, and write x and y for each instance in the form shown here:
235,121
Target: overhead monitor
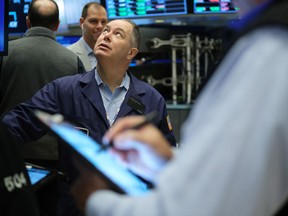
213,6
176,12
66,40
18,10
3,27
73,10
134,9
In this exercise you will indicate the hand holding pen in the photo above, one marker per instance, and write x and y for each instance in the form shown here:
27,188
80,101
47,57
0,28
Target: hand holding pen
148,119
143,151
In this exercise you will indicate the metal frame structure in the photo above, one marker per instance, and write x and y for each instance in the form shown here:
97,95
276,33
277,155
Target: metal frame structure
191,48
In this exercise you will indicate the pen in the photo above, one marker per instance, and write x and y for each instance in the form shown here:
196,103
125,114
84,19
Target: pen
149,118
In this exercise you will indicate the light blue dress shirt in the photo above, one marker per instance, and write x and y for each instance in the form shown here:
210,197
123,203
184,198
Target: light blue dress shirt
233,158
112,101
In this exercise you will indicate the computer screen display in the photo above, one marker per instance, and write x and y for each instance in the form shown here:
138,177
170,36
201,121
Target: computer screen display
18,10
3,27
133,9
73,10
214,6
36,175
66,40
90,153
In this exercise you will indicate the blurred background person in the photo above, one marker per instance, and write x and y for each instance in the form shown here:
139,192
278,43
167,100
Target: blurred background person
92,22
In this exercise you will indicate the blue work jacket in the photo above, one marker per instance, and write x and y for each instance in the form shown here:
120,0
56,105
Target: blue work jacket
78,99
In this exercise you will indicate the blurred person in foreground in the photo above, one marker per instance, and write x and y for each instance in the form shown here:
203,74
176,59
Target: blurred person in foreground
233,156
93,20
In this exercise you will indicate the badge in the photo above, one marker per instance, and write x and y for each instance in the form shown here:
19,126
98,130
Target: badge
169,123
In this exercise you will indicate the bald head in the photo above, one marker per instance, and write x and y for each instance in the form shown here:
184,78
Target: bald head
44,13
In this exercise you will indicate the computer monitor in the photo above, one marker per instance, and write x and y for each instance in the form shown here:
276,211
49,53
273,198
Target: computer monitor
213,7
4,27
73,10
66,40
18,10
143,9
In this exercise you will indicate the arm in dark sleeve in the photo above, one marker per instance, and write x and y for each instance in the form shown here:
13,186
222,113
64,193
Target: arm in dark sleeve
21,121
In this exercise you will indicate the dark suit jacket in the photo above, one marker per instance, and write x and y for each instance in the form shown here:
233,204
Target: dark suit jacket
33,61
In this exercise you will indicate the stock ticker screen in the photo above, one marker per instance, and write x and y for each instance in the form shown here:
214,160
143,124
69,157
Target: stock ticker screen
144,8
214,6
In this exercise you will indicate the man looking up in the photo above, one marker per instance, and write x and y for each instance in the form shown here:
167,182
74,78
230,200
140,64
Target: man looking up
94,100
92,22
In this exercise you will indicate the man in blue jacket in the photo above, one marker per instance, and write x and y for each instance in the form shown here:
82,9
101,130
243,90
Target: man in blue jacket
94,100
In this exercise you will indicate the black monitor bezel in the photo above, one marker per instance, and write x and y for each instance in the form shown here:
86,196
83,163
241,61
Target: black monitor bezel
5,28
139,17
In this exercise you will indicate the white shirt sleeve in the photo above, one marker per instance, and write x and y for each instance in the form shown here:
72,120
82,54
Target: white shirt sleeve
233,157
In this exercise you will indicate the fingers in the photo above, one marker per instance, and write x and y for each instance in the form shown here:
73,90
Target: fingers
121,125
147,139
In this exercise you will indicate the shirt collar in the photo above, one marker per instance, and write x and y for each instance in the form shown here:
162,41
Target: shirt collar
125,82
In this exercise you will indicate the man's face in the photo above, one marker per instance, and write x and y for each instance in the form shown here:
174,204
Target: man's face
115,41
93,24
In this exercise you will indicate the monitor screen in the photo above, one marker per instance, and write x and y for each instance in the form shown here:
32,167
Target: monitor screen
3,27
63,26
214,6
73,10
36,175
144,9
18,10
66,40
